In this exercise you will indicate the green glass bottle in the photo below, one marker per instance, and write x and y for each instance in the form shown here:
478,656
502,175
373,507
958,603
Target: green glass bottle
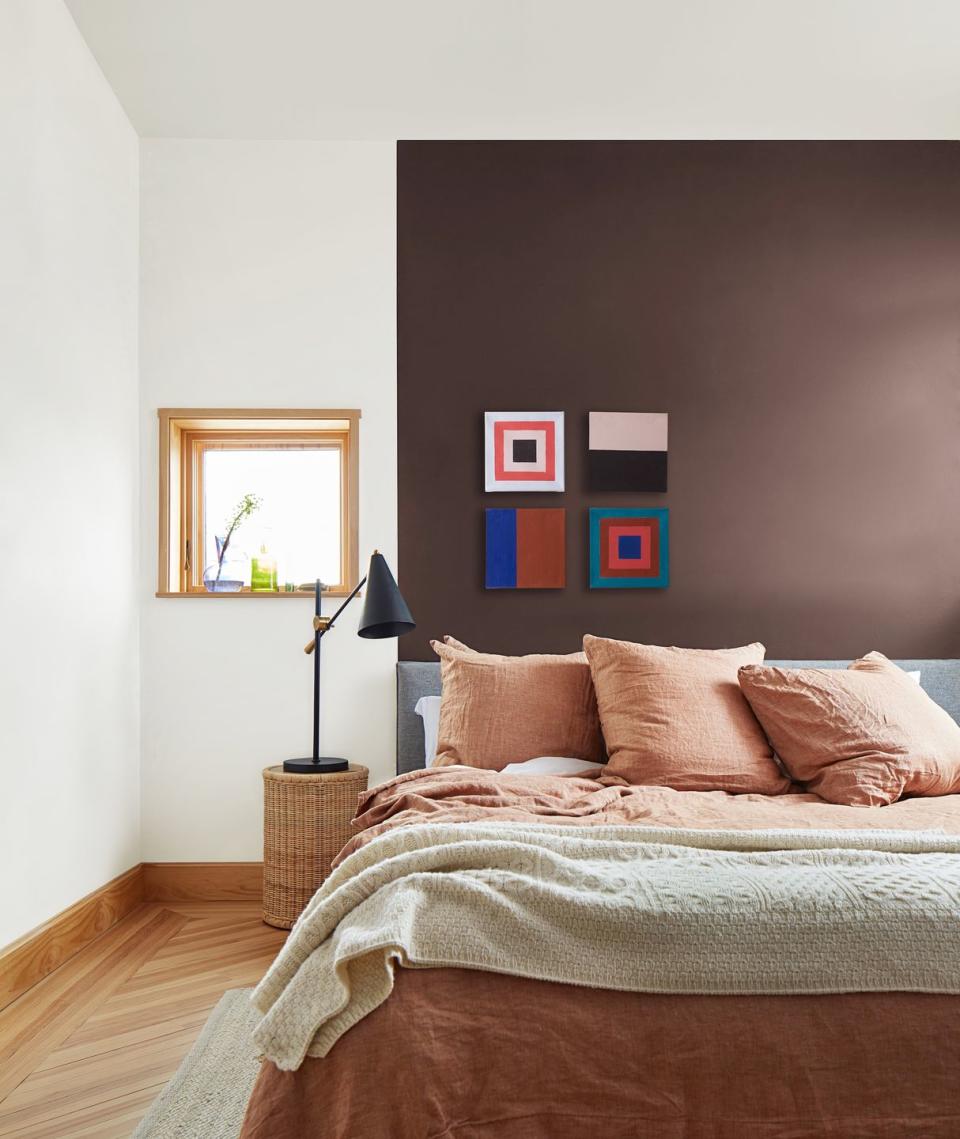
263,572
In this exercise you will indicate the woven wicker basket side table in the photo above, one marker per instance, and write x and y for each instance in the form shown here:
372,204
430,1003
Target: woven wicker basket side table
306,822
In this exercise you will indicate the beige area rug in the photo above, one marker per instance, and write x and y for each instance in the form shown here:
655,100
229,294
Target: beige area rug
207,1095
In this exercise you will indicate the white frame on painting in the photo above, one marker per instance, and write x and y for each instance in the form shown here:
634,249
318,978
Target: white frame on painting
533,476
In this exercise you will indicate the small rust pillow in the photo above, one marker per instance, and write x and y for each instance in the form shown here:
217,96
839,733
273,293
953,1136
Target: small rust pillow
501,709
677,718
863,736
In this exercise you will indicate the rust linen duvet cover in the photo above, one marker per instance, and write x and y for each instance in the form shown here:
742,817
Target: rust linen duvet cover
462,1053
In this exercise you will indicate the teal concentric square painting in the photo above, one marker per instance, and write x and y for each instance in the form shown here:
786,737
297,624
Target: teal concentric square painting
629,547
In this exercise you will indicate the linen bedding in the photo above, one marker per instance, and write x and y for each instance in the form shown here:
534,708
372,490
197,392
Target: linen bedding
466,794
464,1052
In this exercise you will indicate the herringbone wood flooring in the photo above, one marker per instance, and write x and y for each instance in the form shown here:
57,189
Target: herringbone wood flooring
83,1053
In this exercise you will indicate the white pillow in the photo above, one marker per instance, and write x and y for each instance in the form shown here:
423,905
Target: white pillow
550,765
428,709
914,676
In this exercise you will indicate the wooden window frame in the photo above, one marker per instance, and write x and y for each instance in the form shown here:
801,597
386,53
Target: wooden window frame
187,433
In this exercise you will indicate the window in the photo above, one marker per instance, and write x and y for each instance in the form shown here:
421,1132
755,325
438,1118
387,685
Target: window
257,503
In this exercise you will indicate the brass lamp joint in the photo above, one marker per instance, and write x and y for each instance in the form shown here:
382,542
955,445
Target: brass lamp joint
320,624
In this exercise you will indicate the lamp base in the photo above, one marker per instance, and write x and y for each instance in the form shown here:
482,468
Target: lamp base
322,766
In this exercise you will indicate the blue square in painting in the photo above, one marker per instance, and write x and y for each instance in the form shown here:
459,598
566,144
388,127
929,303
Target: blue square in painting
501,549
630,546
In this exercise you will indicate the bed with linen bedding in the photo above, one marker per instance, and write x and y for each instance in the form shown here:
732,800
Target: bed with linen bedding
504,954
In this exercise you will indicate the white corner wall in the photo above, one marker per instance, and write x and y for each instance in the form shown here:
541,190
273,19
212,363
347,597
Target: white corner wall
69,734
268,279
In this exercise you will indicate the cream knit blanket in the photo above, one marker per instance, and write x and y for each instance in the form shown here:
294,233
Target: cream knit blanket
629,908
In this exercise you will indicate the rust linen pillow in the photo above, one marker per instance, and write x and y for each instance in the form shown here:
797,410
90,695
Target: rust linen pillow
677,717
500,709
863,736
455,644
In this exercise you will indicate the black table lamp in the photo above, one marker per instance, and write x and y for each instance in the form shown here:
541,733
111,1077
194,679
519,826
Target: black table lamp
385,614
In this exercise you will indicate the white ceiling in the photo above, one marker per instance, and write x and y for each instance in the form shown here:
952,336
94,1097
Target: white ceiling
384,69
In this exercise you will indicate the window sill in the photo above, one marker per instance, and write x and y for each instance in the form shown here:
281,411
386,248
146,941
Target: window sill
248,594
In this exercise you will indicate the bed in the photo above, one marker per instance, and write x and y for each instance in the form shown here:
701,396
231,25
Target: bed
476,1052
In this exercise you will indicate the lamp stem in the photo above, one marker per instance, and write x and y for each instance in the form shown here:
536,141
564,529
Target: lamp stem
316,680
318,636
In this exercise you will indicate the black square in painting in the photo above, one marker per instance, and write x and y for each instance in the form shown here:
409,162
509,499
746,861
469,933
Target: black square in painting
524,450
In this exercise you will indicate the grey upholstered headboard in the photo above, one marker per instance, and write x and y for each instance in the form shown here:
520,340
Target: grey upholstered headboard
415,678
939,678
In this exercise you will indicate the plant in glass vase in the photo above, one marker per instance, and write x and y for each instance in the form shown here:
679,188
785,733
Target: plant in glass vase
227,573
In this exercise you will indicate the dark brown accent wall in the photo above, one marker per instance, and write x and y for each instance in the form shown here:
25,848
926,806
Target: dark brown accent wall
795,307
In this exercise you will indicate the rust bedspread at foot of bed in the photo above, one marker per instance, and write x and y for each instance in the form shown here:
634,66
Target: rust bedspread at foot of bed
456,1054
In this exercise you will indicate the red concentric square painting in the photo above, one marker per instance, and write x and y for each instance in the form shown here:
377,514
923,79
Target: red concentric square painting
524,451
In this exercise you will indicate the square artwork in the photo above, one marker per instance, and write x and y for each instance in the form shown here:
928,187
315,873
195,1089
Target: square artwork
523,450
526,549
627,451
629,548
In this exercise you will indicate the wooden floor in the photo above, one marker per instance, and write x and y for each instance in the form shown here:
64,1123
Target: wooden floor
83,1053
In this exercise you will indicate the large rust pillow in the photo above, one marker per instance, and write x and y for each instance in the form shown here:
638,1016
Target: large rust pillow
864,736
501,709
677,717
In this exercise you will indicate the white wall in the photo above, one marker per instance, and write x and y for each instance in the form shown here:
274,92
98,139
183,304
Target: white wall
531,68
69,735
268,277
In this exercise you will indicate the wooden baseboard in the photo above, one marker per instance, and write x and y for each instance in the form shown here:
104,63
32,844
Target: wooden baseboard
44,949
203,881
36,954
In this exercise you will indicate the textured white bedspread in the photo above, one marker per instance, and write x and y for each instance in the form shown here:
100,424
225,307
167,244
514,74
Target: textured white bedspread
628,908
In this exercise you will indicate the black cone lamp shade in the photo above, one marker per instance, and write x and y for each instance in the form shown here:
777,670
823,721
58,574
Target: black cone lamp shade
385,614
